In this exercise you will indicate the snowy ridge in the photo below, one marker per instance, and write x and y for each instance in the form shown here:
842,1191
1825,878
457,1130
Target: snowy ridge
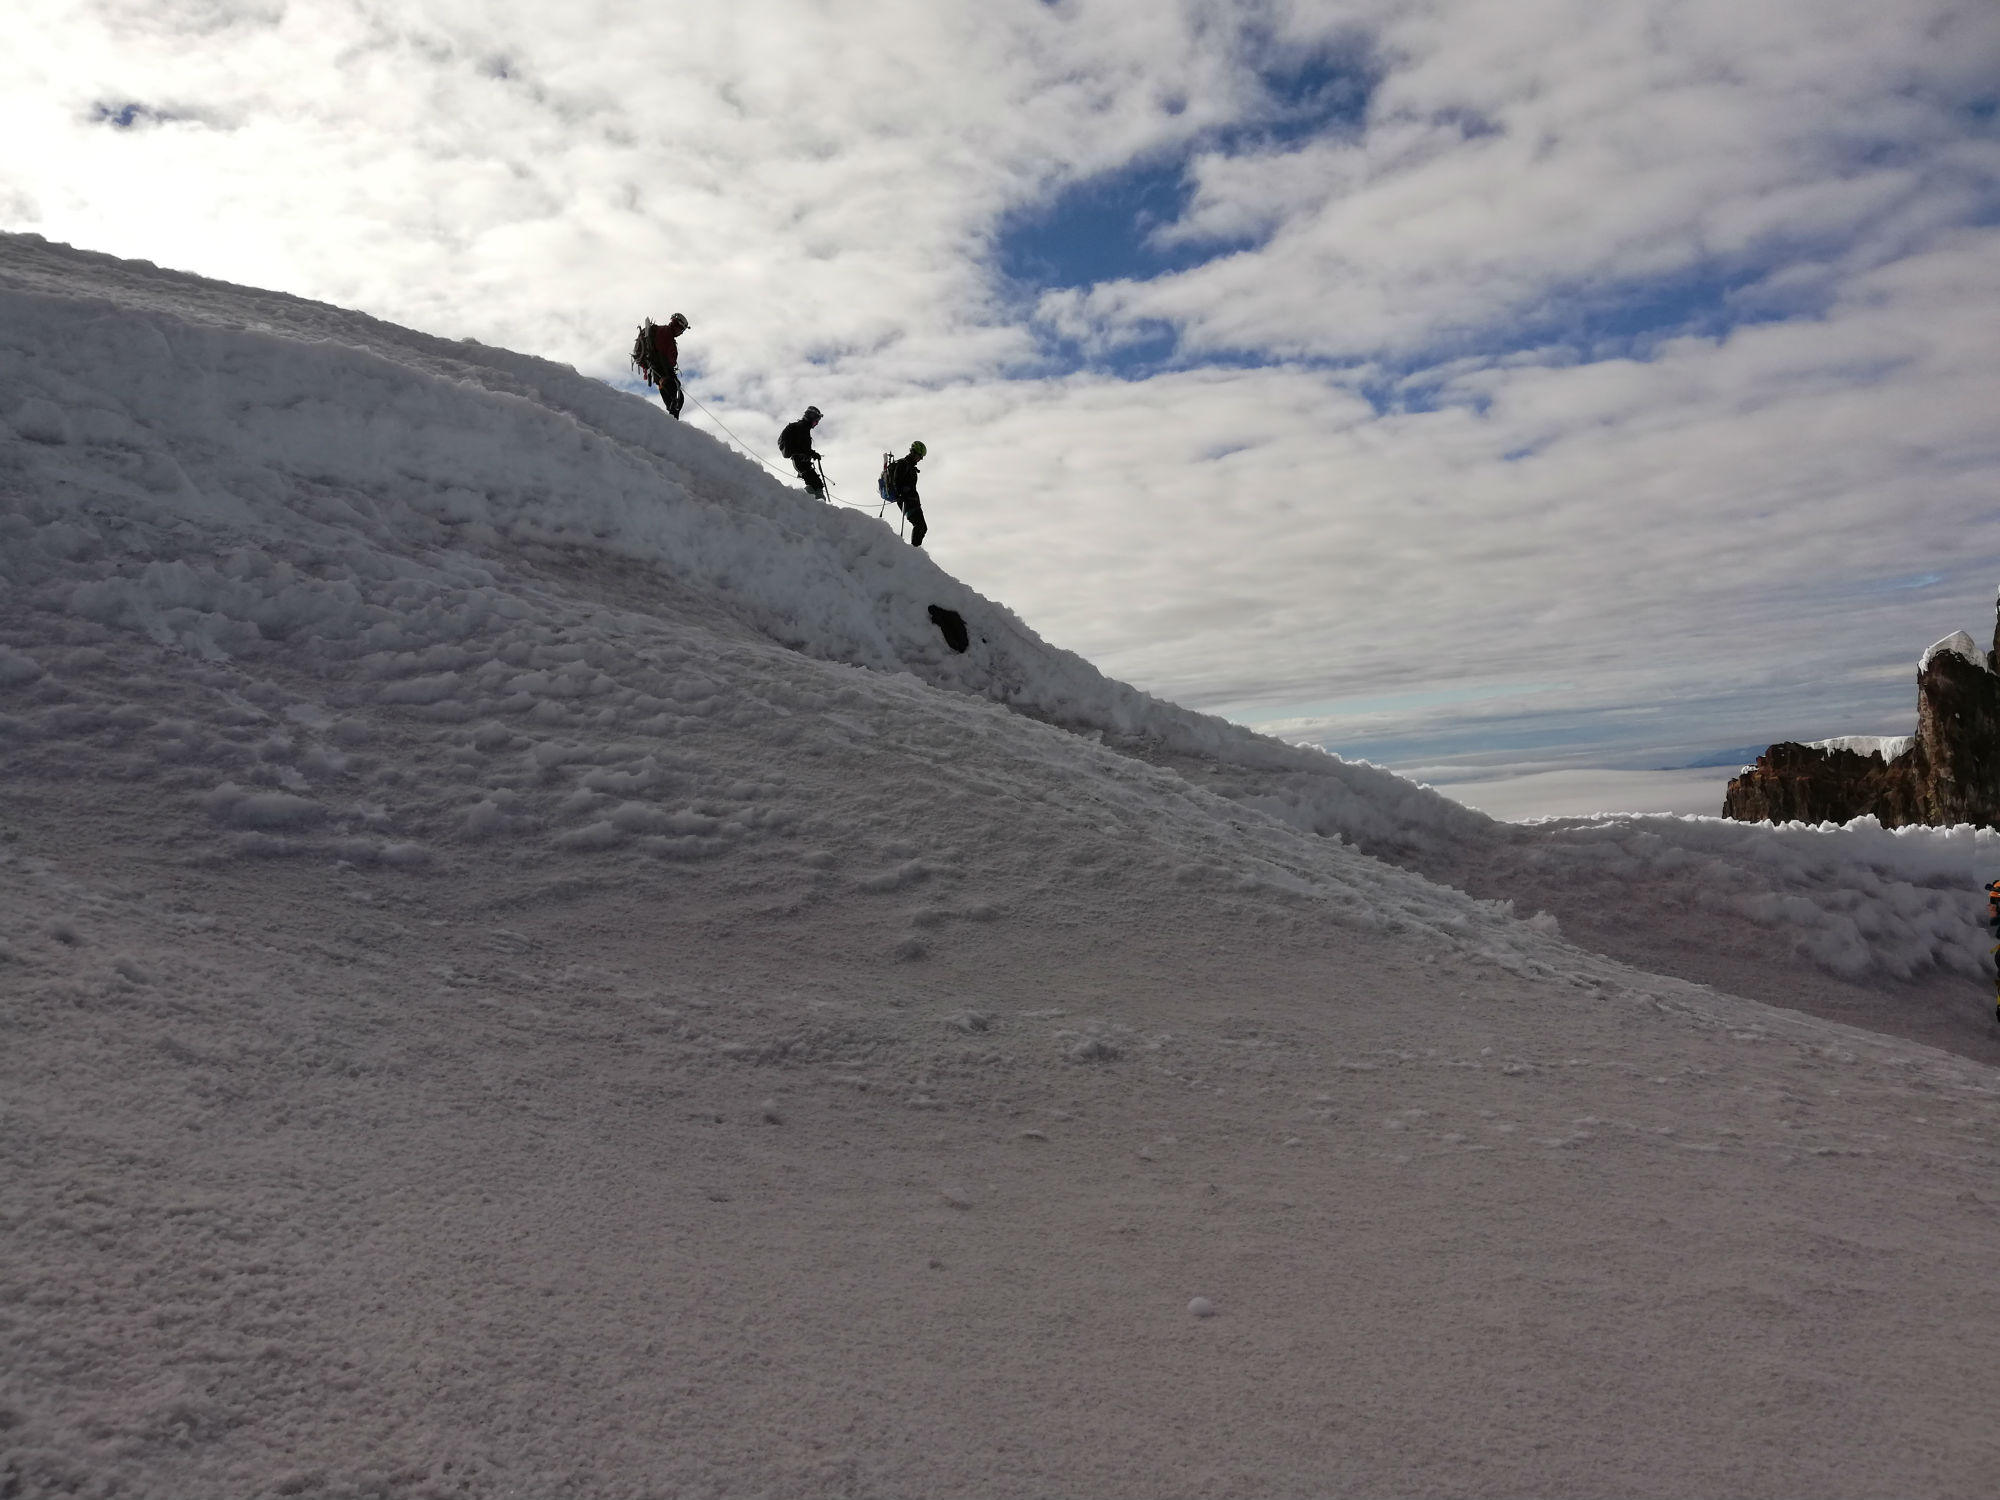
218,417
249,478
1885,747
358,529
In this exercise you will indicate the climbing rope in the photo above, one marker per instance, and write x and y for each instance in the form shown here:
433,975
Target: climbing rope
749,452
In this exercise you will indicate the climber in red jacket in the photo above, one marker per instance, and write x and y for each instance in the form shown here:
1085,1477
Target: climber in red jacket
665,366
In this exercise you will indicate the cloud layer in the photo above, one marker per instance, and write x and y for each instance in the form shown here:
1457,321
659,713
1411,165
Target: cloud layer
1435,380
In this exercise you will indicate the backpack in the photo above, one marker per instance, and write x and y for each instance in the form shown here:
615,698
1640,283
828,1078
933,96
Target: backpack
642,351
882,485
793,442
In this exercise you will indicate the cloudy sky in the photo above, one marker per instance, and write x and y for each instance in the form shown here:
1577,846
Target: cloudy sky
1562,382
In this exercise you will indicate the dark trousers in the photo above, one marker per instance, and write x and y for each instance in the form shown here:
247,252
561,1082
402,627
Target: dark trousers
807,473
913,510
671,395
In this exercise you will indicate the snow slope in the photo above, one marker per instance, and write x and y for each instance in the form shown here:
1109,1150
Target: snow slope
529,966
188,410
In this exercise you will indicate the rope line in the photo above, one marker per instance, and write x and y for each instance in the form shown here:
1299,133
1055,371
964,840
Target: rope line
751,452
831,498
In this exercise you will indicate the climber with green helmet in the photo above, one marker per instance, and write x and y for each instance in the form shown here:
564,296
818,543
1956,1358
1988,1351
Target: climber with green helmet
899,488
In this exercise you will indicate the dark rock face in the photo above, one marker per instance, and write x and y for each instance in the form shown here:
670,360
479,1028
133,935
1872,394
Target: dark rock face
1958,722
1803,783
1950,775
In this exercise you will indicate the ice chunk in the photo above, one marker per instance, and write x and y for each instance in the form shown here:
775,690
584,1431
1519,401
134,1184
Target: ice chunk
1958,643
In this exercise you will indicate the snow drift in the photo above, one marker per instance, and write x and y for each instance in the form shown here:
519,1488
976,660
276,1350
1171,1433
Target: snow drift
239,474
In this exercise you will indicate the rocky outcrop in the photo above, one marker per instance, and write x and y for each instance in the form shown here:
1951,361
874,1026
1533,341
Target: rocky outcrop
1948,773
1792,782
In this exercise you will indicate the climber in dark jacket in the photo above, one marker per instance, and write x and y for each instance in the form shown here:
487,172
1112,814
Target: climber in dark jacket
901,482
796,443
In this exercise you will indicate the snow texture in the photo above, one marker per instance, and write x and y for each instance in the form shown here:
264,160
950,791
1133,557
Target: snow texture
1883,747
528,966
1958,644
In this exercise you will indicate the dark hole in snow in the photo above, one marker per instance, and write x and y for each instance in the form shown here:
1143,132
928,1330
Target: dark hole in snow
951,625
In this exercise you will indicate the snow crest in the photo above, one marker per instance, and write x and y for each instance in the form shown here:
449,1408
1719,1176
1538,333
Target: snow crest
1885,747
272,486
1958,644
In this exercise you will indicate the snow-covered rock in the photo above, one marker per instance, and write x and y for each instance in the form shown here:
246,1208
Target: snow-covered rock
1957,644
1947,773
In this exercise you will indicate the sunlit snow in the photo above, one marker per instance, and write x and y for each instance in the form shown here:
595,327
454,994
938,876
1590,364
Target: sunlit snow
528,965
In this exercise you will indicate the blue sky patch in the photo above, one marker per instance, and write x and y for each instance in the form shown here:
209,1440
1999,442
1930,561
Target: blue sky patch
1111,228
1097,233
1139,353
1308,95
1583,325
1106,227
1100,230
1628,320
1416,390
128,115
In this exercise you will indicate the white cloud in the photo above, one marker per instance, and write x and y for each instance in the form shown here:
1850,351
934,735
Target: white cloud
1702,523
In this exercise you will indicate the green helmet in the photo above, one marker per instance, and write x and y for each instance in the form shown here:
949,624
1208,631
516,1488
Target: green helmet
918,450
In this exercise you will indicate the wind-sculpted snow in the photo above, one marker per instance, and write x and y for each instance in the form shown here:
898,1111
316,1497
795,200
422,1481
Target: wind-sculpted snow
388,547
1854,899
162,399
250,478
